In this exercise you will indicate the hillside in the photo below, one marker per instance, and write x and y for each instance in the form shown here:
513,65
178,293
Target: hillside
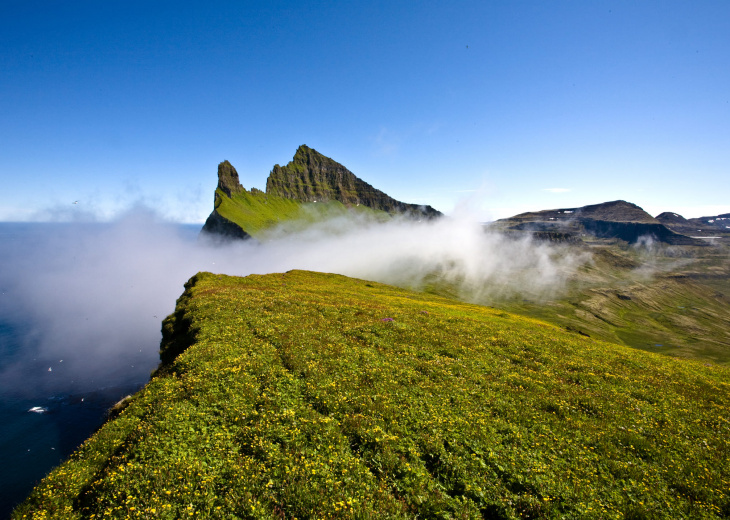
668,299
313,395
310,188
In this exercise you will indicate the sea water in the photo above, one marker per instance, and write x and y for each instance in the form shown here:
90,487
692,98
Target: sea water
47,407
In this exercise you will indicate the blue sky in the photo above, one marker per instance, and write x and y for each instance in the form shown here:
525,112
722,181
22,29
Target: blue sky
503,106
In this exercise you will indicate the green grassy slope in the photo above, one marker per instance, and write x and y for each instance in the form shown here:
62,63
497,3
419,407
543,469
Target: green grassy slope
675,301
258,213
305,395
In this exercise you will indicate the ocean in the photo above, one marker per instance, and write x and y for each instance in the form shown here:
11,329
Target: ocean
58,374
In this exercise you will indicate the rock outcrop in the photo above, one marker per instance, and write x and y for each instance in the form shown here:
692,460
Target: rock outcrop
228,181
312,177
217,225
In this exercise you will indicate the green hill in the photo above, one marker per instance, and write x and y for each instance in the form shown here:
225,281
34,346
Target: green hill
306,395
255,214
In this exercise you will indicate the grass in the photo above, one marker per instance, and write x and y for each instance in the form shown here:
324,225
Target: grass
260,214
306,395
675,300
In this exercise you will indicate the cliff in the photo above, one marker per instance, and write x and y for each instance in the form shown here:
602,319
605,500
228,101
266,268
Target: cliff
219,226
228,181
312,177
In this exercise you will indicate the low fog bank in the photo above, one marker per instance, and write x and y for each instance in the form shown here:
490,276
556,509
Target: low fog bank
91,297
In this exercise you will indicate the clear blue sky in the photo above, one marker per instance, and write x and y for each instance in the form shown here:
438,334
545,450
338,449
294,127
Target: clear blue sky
522,105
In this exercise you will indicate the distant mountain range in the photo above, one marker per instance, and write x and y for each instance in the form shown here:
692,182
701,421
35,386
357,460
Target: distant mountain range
313,187
310,187
703,226
616,219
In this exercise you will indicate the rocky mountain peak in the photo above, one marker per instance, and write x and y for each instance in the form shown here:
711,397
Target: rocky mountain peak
313,177
228,181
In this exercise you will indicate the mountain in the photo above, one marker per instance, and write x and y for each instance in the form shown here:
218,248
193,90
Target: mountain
228,186
309,188
697,227
310,395
615,219
312,177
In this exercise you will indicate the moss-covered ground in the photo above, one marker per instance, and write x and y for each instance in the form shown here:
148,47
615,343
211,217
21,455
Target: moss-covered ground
305,395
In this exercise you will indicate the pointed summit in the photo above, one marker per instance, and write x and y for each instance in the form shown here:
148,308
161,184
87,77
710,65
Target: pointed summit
228,181
217,224
312,177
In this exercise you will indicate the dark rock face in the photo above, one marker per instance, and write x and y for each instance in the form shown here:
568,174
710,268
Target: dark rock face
633,231
177,334
219,226
311,177
228,181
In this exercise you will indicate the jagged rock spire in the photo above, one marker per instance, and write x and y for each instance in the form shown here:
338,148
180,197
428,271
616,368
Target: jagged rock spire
228,181
311,177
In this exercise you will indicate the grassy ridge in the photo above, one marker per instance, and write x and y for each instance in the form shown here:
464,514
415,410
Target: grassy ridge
307,395
256,212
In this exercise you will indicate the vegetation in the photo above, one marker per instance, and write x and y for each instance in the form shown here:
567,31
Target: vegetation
305,395
259,214
673,299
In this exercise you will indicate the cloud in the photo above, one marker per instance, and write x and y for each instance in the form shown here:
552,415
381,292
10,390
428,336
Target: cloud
94,295
556,190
